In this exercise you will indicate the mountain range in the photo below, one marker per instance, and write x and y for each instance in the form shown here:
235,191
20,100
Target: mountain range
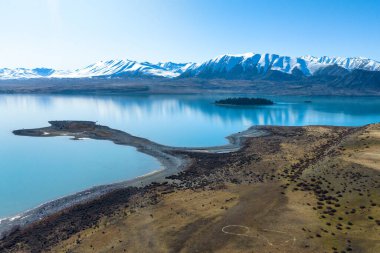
348,71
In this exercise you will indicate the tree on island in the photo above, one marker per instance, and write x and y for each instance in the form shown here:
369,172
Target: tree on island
244,101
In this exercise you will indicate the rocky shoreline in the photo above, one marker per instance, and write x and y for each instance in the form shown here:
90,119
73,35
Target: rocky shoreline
173,159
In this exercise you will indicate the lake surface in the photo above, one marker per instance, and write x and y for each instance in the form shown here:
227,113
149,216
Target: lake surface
36,170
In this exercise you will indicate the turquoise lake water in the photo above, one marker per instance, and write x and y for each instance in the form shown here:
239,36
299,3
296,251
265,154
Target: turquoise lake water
36,170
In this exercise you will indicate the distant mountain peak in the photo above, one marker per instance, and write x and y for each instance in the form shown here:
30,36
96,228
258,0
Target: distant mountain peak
234,66
253,64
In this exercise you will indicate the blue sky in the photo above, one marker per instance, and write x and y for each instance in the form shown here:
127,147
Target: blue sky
73,33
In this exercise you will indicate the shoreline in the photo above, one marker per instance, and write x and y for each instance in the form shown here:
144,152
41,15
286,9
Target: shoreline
171,159
309,188
177,86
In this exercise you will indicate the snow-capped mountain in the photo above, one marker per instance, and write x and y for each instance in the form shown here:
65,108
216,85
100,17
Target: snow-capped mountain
107,69
22,73
251,64
120,68
239,66
178,68
347,63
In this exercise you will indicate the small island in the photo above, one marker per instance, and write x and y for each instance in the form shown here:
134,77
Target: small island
244,101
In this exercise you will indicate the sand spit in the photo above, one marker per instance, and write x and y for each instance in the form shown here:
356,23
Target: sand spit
172,159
